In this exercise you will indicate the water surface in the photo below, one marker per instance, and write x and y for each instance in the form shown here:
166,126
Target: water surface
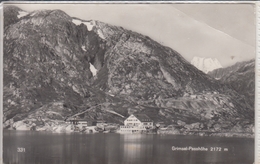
76,148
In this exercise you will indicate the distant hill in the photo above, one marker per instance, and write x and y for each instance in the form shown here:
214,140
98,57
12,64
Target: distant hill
240,77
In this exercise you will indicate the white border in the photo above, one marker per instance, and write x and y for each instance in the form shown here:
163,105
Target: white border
128,2
1,79
257,84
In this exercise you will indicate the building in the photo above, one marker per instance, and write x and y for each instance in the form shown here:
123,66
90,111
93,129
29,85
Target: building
77,121
82,122
100,123
136,123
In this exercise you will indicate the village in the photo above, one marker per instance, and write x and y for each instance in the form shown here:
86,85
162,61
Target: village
135,123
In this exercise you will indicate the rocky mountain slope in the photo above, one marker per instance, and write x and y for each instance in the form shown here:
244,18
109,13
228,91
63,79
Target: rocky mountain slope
206,64
56,66
240,77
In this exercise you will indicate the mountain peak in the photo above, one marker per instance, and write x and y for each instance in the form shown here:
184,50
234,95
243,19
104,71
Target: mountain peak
12,8
57,14
206,64
11,15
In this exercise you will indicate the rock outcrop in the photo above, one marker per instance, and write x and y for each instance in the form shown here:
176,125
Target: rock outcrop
240,77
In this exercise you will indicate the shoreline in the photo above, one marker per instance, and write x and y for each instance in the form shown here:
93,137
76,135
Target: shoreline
213,134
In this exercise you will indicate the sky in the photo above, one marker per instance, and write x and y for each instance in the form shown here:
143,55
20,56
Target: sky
222,31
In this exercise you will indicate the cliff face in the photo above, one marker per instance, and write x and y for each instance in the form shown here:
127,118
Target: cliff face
50,61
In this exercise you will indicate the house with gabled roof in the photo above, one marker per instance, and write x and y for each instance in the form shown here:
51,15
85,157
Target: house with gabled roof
136,123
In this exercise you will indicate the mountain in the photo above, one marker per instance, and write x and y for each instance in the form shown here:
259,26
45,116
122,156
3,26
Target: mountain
57,66
240,77
205,64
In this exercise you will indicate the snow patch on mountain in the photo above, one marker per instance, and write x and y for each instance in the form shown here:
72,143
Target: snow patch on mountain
93,70
89,25
84,48
22,14
76,21
100,34
206,64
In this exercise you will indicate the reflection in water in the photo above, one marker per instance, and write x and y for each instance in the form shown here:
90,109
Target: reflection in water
132,148
75,148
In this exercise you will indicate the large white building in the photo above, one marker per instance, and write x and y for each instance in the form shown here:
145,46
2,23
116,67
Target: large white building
136,123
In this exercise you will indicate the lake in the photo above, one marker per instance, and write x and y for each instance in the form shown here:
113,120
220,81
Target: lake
26,147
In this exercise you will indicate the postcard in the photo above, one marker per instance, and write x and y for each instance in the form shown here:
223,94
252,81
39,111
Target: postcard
128,83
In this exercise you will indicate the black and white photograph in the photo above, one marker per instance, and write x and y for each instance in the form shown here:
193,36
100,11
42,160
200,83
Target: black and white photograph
128,83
